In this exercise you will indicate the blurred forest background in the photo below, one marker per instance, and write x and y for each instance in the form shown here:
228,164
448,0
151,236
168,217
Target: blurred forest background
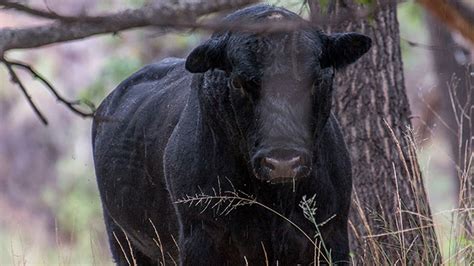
49,203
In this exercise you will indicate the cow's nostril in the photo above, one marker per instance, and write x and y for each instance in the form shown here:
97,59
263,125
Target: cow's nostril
295,162
269,163
282,168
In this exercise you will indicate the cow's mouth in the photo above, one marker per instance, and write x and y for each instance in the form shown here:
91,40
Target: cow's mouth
283,180
274,177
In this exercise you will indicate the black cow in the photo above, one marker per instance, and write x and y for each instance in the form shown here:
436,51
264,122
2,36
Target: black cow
245,115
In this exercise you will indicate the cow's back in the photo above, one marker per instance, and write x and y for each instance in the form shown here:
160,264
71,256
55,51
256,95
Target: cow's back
130,131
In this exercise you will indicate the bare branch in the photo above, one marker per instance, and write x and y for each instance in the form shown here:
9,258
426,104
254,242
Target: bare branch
70,104
156,15
16,79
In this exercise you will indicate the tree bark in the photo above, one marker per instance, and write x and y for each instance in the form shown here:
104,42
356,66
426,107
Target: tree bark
390,218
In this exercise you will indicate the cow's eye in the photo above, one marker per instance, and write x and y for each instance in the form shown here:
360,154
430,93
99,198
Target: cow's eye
237,84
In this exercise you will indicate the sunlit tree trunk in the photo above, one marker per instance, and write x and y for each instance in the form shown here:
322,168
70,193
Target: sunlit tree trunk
390,218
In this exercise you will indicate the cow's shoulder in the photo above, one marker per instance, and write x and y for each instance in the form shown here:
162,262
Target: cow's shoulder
156,92
148,80
153,72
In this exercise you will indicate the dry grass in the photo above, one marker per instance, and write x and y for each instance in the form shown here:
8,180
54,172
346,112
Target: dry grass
460,237
227,201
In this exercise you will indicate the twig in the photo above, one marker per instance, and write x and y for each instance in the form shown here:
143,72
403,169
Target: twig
70,104
16,79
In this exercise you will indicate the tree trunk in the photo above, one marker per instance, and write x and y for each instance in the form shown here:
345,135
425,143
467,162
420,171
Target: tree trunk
452,64
390,217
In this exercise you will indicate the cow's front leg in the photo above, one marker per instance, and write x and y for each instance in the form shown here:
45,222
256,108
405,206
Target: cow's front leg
202,243
338,245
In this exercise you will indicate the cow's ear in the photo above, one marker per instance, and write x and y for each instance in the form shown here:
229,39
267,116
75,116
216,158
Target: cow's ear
210,54
342,49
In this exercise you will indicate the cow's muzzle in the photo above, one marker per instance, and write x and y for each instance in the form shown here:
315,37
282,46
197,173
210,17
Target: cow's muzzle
282,166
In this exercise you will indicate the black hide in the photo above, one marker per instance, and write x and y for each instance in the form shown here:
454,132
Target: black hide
245,115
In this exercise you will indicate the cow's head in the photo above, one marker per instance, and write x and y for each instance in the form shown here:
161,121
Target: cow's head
276,87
